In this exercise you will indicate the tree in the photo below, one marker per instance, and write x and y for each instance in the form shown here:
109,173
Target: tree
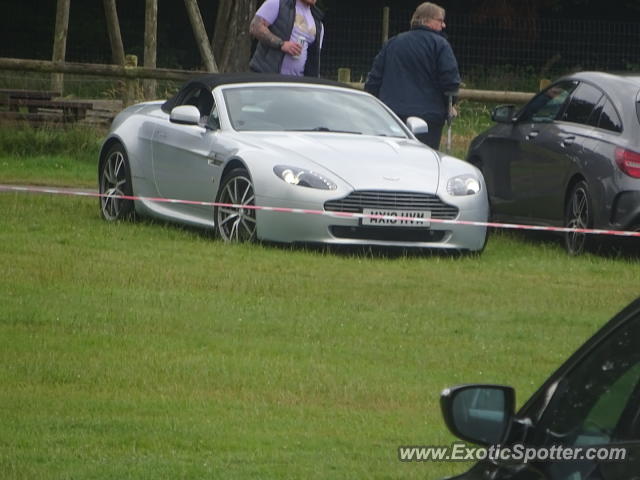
231,40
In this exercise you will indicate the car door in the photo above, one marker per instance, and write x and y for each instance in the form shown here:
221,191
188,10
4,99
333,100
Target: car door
556,154
594,405
539,127
184,163
504,168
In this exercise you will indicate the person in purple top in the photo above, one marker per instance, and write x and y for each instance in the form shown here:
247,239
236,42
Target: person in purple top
289,34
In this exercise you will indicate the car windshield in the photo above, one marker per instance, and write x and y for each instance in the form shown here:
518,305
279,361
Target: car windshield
308,109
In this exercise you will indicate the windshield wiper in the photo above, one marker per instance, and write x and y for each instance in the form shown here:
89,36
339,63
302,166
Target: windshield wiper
322,129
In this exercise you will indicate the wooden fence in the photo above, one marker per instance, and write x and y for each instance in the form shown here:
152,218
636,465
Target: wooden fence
27,105
135,72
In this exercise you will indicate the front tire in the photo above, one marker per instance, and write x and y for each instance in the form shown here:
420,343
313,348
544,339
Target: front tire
233,222
578,214
114,181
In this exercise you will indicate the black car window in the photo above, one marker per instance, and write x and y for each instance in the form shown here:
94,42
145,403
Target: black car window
582,103
594,118
547,105
213,121
609,118
596,402
201,98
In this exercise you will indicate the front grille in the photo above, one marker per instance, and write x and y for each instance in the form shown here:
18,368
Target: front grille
384,200
388,234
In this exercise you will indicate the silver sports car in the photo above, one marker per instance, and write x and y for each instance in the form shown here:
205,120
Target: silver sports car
245,153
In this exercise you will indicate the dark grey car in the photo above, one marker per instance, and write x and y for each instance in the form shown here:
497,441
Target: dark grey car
570,157
589,407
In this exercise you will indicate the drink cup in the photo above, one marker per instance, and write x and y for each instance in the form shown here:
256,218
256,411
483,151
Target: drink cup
301,42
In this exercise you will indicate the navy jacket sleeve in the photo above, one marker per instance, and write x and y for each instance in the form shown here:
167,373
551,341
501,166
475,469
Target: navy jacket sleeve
374,79
448,68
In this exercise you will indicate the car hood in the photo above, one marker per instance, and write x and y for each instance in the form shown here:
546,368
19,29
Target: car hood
364,162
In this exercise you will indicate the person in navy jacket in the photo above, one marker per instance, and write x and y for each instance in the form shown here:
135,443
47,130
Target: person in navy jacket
415,70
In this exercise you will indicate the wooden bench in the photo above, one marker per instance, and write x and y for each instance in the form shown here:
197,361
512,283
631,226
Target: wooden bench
28,94
40,106
71,111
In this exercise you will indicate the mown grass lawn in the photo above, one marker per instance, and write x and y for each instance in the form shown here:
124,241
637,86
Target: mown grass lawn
144,350
49,155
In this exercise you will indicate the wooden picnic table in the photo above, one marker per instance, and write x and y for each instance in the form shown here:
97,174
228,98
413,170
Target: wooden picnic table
41,106
19,93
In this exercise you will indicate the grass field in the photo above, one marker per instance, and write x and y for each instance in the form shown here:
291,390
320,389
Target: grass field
145,350
49,156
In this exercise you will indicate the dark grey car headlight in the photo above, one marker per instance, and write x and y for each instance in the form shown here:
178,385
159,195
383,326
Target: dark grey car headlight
463,185
303,177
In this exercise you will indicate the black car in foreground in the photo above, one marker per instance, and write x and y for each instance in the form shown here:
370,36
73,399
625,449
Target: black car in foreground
587,412
570,157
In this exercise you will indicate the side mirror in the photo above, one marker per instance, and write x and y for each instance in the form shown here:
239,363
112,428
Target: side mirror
503,113
417,125
185,115
479,414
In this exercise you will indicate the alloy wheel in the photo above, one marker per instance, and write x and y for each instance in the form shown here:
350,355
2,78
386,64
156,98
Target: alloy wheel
114,184
578,215
236,223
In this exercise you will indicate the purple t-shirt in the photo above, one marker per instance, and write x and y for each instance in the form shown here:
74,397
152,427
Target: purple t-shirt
304,27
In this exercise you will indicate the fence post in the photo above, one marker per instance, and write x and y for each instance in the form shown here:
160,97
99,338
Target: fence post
385,24
60,43
113,28
201,35
150,46
131,85
344,75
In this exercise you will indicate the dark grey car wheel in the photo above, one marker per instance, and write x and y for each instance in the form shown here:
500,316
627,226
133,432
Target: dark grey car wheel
578,214
114,181
233,222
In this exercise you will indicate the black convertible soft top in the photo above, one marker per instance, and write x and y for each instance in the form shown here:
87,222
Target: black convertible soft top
212,80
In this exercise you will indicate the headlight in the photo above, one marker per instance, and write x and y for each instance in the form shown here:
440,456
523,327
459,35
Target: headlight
303,178
463,185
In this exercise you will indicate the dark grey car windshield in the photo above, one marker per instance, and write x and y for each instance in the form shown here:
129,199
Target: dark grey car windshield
293,108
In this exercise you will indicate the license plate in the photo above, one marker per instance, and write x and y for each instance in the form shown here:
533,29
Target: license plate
396,218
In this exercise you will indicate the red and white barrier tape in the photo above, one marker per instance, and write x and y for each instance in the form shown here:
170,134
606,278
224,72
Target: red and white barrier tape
512,226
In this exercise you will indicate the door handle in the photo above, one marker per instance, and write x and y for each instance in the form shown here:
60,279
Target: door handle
161,134
532,134
568,141
215,158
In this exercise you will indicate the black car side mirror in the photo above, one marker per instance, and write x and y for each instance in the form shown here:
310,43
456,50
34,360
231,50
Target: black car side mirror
480,414
503,113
